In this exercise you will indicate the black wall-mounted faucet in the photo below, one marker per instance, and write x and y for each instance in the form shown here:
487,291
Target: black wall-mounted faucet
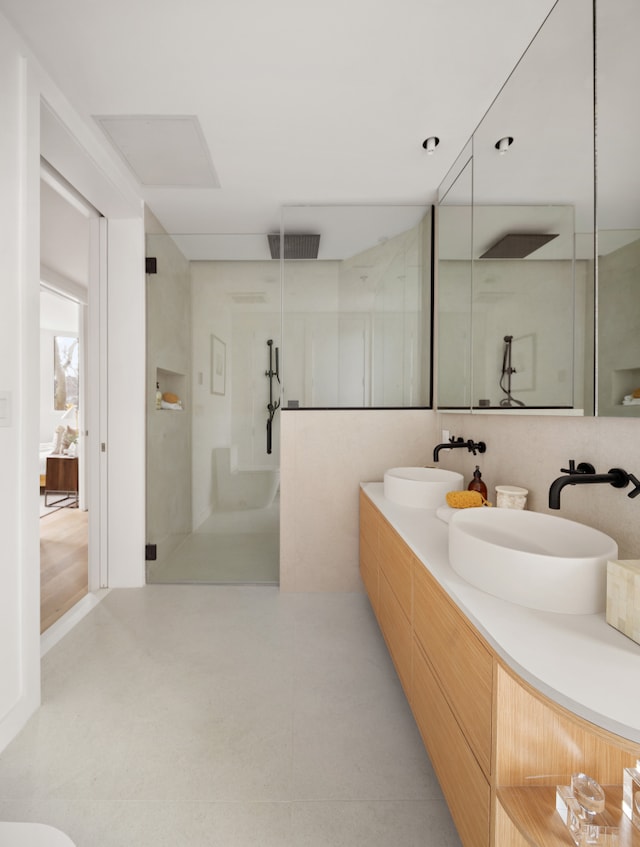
585,474
474,447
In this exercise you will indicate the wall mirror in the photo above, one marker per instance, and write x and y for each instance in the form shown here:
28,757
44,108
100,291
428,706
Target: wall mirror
618,208
356,306
516,237
455,240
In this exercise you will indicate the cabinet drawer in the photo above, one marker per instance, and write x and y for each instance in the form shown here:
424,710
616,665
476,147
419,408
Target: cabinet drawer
397,633
369,571
461,662
370,519
463,783
396,563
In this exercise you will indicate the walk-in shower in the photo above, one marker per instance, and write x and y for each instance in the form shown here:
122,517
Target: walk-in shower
212,484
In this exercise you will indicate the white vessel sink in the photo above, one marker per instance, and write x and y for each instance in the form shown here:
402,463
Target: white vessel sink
420,488
537,560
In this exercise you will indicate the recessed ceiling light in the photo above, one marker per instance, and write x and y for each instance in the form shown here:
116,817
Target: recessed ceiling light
431,143
503,144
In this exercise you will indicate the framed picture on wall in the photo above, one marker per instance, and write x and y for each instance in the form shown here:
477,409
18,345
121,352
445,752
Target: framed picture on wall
218,365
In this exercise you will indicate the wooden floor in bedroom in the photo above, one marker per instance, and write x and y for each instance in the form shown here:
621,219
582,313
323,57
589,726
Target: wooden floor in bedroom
63,563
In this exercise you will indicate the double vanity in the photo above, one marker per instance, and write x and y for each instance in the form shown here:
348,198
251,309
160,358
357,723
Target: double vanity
500,642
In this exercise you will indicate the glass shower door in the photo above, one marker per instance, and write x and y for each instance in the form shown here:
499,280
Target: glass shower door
212,501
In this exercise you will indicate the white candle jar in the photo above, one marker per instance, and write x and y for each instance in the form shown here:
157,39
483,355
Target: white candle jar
511,497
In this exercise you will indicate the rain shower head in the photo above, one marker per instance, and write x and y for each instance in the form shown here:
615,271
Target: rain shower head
517,245
296,245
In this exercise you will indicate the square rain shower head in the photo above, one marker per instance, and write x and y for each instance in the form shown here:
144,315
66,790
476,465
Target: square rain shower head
296,246
517,245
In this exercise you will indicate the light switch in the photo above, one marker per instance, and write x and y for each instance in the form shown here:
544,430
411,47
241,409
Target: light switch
5,408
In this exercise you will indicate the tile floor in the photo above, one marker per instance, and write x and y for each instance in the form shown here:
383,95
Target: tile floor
225,715
230,548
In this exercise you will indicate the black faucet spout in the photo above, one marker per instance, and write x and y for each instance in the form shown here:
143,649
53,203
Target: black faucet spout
472,446
615,477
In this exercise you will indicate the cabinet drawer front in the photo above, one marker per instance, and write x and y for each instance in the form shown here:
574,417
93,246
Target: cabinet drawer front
397,633
370,520
369,571
463,783
462,663
396,562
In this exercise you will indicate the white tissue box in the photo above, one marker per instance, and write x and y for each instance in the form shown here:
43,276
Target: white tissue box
623,597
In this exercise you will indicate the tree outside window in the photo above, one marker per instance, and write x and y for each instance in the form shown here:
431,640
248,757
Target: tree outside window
65,372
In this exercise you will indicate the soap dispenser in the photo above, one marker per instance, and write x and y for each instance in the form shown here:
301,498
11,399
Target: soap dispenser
158,396
477,484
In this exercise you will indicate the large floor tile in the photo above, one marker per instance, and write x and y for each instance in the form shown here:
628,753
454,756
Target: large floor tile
373,824
224,715
189,824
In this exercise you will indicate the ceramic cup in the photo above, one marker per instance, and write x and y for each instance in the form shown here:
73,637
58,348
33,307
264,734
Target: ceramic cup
511,497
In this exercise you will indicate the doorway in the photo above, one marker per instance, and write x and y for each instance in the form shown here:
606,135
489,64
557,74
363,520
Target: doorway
213,328
64,525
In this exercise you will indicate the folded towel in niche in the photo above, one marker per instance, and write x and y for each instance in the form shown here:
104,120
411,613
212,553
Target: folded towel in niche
630,400
165,405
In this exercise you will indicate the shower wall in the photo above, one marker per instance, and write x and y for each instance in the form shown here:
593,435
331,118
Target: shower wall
238,305
535,302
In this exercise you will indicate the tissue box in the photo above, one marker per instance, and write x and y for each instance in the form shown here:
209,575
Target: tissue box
623,597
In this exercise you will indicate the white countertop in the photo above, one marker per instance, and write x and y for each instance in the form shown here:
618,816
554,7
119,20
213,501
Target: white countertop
578,661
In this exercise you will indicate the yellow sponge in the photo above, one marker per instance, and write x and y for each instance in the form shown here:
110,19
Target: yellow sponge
466,499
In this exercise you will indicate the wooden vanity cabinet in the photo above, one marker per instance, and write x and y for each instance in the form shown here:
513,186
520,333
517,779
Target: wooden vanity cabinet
396,564
370,519
396,629
461,662
465,787
438,688
490,735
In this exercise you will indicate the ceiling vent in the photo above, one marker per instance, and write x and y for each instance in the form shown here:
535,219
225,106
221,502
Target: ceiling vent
296,246
162,150
518,245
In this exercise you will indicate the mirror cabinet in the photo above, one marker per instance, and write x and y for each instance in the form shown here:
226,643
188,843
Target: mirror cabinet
539,230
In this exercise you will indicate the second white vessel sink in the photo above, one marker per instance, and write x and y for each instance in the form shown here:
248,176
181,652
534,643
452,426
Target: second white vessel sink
420,488
536,560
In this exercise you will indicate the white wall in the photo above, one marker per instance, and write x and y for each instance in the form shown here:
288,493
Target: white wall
19,586
126,403
73,149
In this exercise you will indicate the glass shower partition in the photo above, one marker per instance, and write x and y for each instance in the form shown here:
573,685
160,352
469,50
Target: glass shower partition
213,324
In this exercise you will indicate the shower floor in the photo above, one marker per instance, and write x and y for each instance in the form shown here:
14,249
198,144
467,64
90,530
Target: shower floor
230,548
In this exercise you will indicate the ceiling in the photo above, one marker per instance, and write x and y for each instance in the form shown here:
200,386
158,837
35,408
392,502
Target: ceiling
294,103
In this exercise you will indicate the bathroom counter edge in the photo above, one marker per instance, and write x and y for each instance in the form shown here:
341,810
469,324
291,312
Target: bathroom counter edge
577,661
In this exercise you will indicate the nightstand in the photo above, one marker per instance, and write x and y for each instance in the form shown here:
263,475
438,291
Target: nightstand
62,479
